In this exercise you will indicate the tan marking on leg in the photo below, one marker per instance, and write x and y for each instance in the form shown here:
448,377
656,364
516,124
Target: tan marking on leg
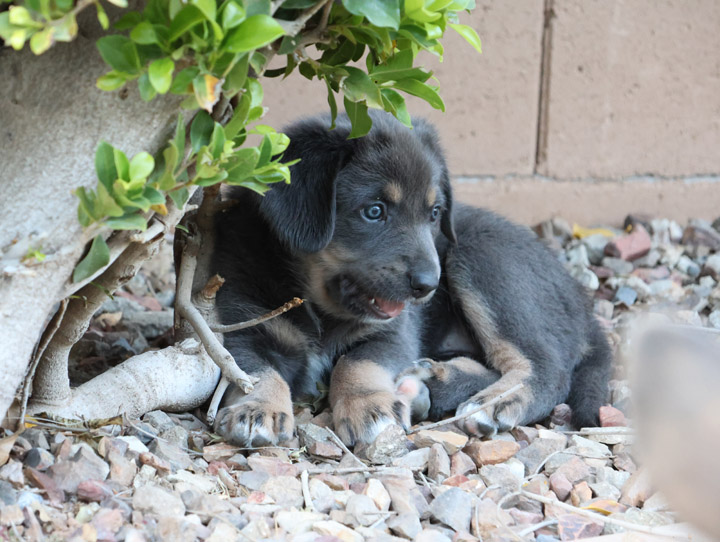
431,196
286,333
393,192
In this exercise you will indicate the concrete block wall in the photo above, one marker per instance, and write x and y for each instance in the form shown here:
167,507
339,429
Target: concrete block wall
587,109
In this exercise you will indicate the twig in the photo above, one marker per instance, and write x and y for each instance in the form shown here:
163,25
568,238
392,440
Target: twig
304,477
294,302
293,28
601,431
602,519
536,526
494,401
343,447
350,470
216,398
185,308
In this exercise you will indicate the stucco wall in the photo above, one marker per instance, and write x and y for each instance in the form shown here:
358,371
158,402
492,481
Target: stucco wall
620,96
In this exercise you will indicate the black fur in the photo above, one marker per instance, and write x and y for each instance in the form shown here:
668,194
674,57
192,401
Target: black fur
310,239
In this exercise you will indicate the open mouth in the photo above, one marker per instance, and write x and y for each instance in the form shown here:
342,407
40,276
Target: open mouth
357,300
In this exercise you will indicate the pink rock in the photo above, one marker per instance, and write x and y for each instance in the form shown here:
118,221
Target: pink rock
491,452
650,274
575,470
560,485
574,527
460,463
612,417
630,246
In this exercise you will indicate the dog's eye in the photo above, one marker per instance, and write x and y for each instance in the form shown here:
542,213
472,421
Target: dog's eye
435,213
374,212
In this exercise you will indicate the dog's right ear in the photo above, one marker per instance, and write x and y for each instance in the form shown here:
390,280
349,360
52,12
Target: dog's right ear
302,213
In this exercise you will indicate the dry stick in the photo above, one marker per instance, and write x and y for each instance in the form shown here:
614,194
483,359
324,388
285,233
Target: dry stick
304,481
494,401
603,519
294,302
350,470
536,526
343,447
216,398
188,311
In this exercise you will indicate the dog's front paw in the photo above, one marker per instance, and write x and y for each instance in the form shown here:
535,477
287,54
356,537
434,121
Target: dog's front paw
507,413
264,417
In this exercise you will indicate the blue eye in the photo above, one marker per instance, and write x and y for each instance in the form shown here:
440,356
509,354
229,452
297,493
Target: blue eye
435,213
374,212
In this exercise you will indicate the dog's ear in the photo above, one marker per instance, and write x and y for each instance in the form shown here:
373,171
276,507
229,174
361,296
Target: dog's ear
302,213
428,135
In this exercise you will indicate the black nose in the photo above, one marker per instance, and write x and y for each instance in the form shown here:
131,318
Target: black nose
423,283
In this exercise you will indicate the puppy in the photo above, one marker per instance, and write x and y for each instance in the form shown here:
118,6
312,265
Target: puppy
392,272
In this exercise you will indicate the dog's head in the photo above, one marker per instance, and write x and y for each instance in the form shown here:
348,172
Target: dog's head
364,214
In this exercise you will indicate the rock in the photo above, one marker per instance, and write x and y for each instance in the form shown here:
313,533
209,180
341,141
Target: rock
603,308
11,514
415,460
528,434
157,501
538,485
574,527
577,256
612,435
151,324
700,233
12,472
580,494
491,452
39,458
134,444
174,455
561,415
159,420
273,466
438,463
487,517
295,522
219,452
656,503
326,449
123,470
379,495
687,266
107,522
523,517
177,435
714,319
8,495
363,509
625,296
338,530
36,437
711,266
453,508
42,481
501,476
286,491
616,478
461,463
560,485
405,525
575,470
637,489
630,246
84,465
585,277
322,496
650,275
309,434
94,491
612,417
638,517
618,266
390,444
451,441
537,452
589,449
149,458
605,490
405,495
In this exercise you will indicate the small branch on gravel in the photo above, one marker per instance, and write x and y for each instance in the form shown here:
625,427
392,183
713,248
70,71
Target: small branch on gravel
601,431
494,401
215,402
304,481
532,528
350,470
294,302
344,448
602,519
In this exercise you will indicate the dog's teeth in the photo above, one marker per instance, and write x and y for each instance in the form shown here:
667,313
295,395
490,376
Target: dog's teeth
372,301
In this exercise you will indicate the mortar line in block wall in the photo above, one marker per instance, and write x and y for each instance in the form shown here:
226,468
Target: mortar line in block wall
544,87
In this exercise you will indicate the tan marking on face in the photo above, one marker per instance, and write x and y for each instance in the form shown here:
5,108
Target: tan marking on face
431,196
393,192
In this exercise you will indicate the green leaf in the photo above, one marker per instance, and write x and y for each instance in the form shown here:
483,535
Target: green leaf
421,90
469,34
395,103
399,67
20,16
180,197
332,103
120,53
255,186
233,14
160,73
147,91
141,166
265,152
129,222
183,80
86,207
179,139
256,92
154,196
128,21
255,7
359,118
208,7
186,18
217,141
170,157
201,130
42,41
122,165
358,87
235,79
207,90
144,33
253,33
105,164
97,257
106,205
217,178
378,12
244,162
416,10
111,81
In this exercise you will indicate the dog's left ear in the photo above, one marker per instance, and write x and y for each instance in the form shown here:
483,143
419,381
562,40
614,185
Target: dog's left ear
302,213
428,135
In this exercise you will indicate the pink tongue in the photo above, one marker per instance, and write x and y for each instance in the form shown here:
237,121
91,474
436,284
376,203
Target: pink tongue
391,308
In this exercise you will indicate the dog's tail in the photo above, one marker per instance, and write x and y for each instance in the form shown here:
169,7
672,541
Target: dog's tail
589,386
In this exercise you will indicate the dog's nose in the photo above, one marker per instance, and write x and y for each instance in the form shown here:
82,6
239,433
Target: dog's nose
423,283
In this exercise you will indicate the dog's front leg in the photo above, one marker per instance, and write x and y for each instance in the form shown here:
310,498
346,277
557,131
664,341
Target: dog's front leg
370,388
